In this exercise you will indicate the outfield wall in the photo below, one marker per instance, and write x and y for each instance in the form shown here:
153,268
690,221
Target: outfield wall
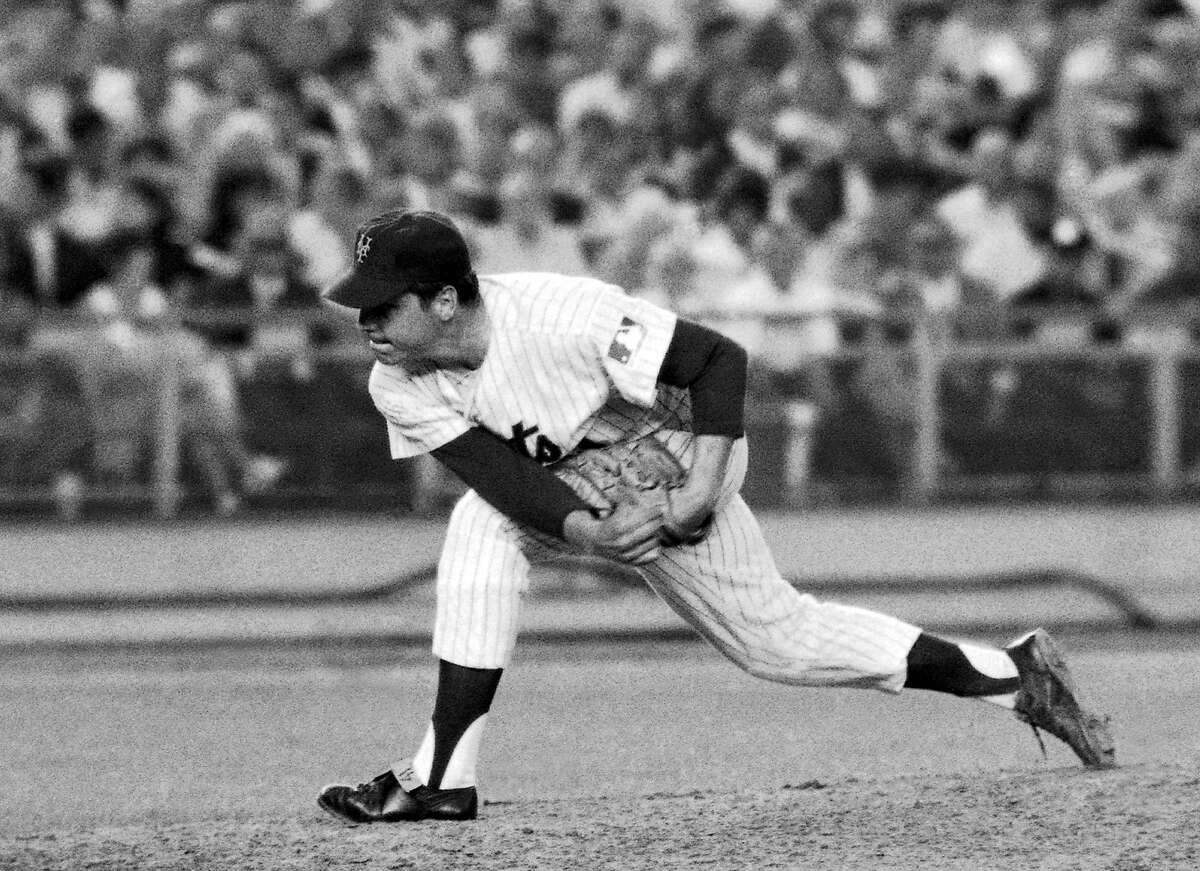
1135,547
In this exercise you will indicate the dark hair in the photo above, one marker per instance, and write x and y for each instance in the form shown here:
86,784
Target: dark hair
902,173
467,287
716,26
50,173
769,47
743,187
154,195
85,122
122,242
224,222
820,199
153,146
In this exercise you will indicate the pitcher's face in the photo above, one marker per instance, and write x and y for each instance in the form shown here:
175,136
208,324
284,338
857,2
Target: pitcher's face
401,331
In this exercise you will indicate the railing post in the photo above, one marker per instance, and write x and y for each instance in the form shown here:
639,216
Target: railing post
166,441
1165,456
927,444
800,419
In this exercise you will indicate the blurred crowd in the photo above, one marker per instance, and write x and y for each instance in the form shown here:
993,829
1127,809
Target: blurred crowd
181,177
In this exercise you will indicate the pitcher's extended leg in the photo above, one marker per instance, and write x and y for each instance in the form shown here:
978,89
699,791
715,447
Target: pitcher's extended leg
729,589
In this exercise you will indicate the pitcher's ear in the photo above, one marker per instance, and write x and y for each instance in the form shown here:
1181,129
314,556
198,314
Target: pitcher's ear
445,302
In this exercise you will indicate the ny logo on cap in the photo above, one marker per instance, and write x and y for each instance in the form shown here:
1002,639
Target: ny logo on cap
362,248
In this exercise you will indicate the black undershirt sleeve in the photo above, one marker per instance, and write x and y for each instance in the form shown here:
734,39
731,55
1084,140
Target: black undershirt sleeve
515,485
713,369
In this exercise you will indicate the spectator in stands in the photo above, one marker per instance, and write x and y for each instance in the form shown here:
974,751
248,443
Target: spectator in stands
732,287
1085,105
1069,295
214,427
1178,206
425,164
41,440
753,139
265,286
1170,64
149,213
1101,121
1123,211
417,58
646,215
1062,305
808,197
118,368
987,57
620,89
670,273
526,237
535,149
812,201
488,140
236,192
700,96
866,410
998,250
845,268
93,149
597,169
930,267
48,259
523,64
858,407
821,33
131,338
340,201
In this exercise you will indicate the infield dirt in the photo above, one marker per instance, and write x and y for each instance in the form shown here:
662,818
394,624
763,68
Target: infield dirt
646,756
1140,817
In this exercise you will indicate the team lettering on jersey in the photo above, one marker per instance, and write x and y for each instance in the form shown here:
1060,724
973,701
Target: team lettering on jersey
541,448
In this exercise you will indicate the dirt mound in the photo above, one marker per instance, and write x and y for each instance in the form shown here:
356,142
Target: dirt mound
1140,817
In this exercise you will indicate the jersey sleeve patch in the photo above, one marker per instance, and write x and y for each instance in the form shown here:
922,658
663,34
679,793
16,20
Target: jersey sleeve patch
632,334
629,337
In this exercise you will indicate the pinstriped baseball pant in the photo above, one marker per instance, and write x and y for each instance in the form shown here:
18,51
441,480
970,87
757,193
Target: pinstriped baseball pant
727,587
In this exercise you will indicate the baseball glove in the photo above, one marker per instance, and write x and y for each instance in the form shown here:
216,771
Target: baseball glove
635,471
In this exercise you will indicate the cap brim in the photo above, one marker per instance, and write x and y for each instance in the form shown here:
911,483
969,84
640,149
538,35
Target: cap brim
355,290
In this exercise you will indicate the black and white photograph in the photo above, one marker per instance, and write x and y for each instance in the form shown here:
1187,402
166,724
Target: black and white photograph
599,434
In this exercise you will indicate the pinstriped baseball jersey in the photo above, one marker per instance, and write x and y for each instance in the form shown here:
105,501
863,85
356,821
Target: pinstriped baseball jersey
569,360
574,360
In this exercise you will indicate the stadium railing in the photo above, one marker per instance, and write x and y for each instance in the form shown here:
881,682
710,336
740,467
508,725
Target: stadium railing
915,417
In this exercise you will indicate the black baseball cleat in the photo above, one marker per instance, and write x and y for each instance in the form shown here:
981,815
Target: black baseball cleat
1048,700
384,800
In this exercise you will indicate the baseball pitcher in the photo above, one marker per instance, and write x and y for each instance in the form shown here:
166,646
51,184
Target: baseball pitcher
590,421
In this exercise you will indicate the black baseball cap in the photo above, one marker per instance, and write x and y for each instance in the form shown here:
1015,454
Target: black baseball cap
397,249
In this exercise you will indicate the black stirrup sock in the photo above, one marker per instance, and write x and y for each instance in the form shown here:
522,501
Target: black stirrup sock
942,666
463,696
